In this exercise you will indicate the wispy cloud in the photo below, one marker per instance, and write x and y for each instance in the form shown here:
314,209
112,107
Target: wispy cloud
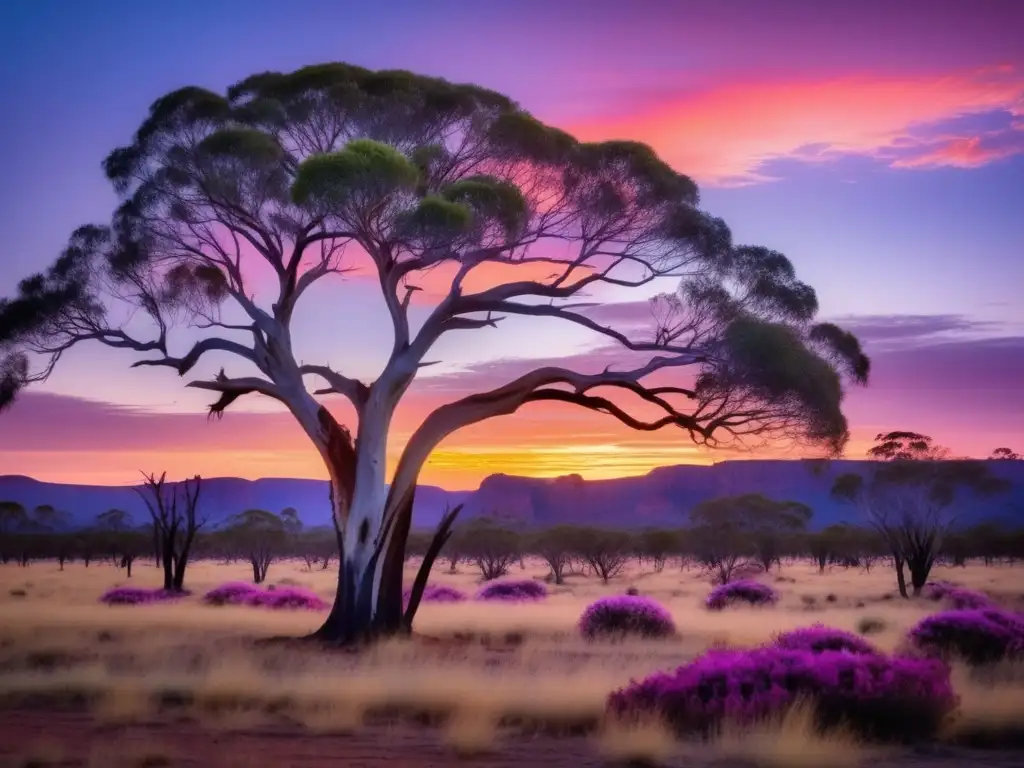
901,331
726,135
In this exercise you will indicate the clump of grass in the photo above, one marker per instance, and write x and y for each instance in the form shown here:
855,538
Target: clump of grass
790,740
332,717
869,625
644,742
123,703
42,755
471,731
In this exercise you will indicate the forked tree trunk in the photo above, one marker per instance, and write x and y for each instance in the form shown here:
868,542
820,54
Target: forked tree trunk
372,524
369,601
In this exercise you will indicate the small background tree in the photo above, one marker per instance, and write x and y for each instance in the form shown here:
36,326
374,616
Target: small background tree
173,508
908,498
606,552
259,536
491,547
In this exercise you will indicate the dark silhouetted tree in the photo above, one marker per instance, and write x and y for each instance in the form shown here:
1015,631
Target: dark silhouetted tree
606,552
258,536
751,524
118,539
656,546
306,171
50,518
908,498
829,545
1004,454
490,547
173,508
555,546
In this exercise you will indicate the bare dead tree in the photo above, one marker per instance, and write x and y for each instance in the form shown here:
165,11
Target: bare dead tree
173,509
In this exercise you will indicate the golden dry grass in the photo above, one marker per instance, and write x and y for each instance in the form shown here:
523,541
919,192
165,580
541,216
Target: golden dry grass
131,663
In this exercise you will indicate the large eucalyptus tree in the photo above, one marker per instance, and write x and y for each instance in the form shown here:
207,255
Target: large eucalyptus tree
302,170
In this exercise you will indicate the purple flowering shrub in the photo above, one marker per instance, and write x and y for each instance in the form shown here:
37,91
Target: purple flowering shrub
437,593
936,590
621,615
232,593
818,638
513,591
979,636
877,696
287,598
751,592
240,593
967,600
139,596
958,598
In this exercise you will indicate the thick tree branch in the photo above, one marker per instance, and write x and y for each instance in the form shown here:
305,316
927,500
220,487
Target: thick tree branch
353,389
232,389
184,364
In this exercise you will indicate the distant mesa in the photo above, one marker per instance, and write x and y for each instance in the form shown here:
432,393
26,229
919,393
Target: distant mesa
661,498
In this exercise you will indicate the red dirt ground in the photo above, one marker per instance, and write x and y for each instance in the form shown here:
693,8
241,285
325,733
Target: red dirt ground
24,733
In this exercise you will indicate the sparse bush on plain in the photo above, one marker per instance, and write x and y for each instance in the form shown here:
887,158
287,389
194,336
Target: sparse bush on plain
891,699
232,593
140,596
513,591
869,625
750,592
288,598
980,636
239,593
955,597
818,638
438,593
619,616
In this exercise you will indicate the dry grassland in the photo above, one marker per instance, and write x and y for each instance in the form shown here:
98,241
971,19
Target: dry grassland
485,674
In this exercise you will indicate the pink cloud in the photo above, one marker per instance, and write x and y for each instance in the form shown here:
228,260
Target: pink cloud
725,135
971,152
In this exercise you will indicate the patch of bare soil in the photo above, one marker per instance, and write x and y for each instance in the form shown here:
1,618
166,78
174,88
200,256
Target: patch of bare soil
73,740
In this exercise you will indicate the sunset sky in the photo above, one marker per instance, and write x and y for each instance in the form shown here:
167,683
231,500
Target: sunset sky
879,145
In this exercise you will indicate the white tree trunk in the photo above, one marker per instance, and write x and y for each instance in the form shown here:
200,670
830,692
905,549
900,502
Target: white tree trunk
369,498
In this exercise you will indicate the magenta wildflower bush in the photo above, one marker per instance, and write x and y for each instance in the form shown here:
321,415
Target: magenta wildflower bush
751,592
967,599
232,593
622,615
979,636
877,696
278,598
140,596
437,594
513,591
958,598
287,598
818,638
936,590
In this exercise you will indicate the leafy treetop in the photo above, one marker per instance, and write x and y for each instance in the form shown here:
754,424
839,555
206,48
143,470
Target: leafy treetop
290,169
